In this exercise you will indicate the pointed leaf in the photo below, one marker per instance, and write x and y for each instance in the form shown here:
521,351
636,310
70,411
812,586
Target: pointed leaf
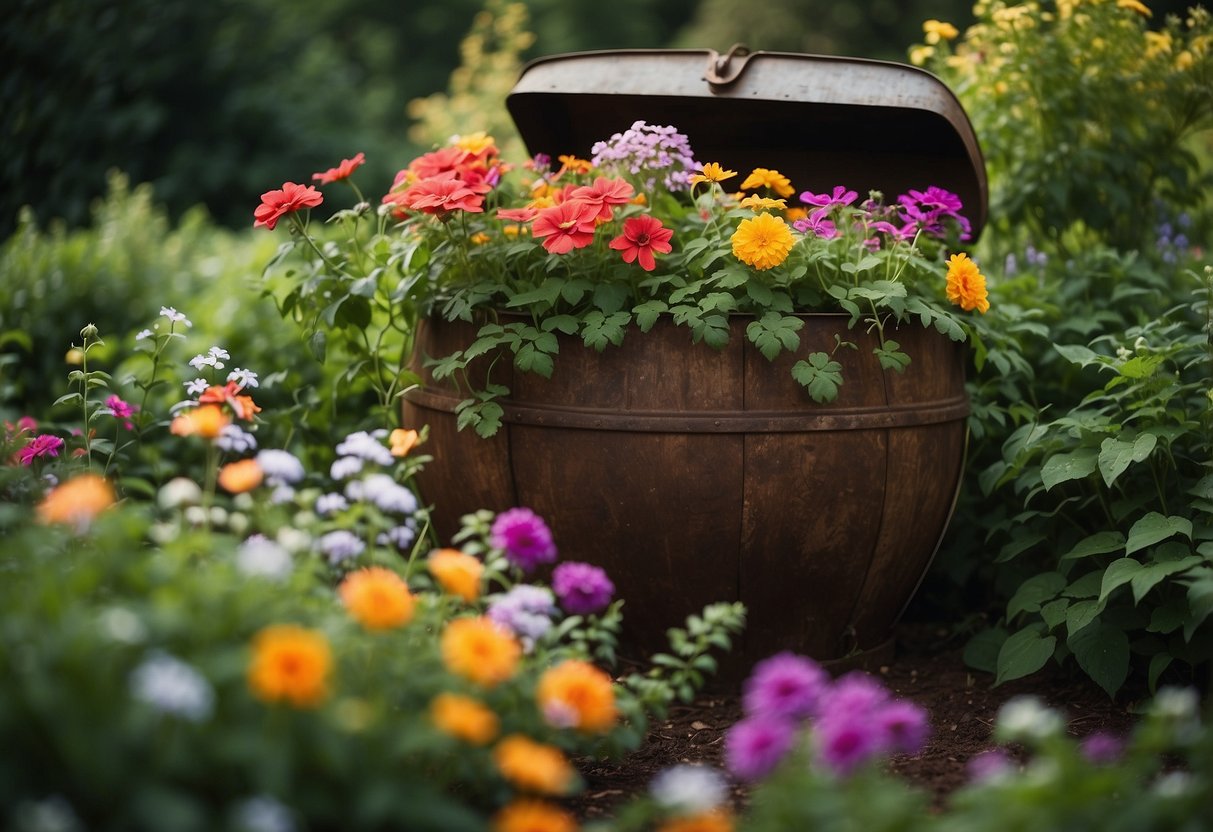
1154,528
1033,592
1023,653
1074,465
1116,455
1080,614
1102,651
981,653
1151,575
1118,573
1097,544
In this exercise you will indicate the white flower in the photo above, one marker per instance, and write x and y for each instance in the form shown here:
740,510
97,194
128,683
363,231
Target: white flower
1123,353
689,789
366,446
174,316
219,354
388,495
330,503
1026,718
263,814
173,687
245,378
346,466
234,439
195,515
200,361
122,625
1173,784
280,465
197,386
341,545
143,334
178,492
294,540
262,557
1179,704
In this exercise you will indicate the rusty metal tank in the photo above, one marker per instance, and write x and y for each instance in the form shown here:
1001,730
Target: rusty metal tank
694,475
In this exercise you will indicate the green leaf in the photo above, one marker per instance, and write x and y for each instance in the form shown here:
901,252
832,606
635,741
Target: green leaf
1097,544
821,376
1082,613
981,653
610,297
565,323
1154,528
1151,575
1024,653
1168,617
1118,573
1054,613
1116,455
530,360
1034,592
1079,355
648,312
547,293
1159,663
1074,465
318,344
891,357
1102,651
773,333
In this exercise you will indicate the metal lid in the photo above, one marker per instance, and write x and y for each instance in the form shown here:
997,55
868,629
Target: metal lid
821,121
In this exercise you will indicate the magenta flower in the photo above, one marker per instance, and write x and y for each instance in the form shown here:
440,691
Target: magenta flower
524,537
121,410
905,727
856,694
840,196
42,445
989,765
756,745
817,223
582,588
1101,748
786,686
845,741
930,209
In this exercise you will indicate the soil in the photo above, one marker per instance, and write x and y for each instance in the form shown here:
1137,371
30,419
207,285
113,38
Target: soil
927,668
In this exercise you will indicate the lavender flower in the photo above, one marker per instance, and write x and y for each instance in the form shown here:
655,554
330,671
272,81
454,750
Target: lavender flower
143,335
524,537
366,446
904,726
280,466
1102,747
262,814
346,466
785,686
330,503
648,151
845,740
688,789
236,440
525,611
401,537
756,745
581,587
989,766
260,556
173,687
340,545
385,493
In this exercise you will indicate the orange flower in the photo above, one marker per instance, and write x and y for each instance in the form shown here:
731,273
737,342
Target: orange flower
765,178
290,664
574,165
402,441
533,766
530,815
242,406
759,203
76,501
576,694
238,477
763,241
377,598
966,284
207,421
464,718
714,821
457,573
480,650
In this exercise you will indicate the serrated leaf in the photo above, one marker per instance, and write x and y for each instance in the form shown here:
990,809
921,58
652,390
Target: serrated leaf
1154,528
648,312
1097,544
1074,465
547,293
564,323
1102,651
1116,455
1023,653
891,357
820,376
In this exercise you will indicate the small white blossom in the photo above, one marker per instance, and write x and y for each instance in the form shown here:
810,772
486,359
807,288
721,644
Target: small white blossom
294,540
366,446
237,522
245,378
174,316
1026,718
234,439
51,814
689,789
197,386
200,361
1141,344
280,465
218,353
195,515
1179,704
143,335
388,495
173,687
346,466
282,494
262,557
218,516
263,814
178,492
341,545
1123,353
330,503
1173,784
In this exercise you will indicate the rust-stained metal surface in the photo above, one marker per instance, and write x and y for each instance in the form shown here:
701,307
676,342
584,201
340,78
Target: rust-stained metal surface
695,476
820,120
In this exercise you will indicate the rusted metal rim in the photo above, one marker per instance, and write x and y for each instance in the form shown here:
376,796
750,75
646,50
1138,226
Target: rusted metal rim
707,421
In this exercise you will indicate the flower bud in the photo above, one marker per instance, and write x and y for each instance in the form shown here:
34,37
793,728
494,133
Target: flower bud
90,332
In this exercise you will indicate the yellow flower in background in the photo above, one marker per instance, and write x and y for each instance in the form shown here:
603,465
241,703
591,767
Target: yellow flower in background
464,718
919,55
77,501
377,598
966,284
763,203
479,238
290,664
476,143
714,821
530,815
1135,5
457,573
576,694
937,30
1158,43
533,766
1184,60
767,178
240,476
712,172
572,164
479,650
762,241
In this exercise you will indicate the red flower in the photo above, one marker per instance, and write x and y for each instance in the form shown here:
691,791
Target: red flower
438,162
516,214
603,194
441,195
641,237
342,171
277,204
566,226
242,406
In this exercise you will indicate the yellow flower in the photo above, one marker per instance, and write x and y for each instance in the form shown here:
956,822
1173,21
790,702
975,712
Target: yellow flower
574,165
937,30
761,203
479,650
1184,60
919,55
530,815
207,421
1136,5
576,694
238,477
762,241
402,441
713,172
475,143
1157,43
464,718
966,284
714,821
533,766
290,664
377,598
457,573
76,501
766,178
479,238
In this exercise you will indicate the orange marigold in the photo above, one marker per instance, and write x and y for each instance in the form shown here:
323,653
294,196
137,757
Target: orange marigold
966,284
238,477
207,421
457,573
76,501
765,178
530,815
762,241
533,766
377,598
290,664
480,650
714,821
464,718
576,694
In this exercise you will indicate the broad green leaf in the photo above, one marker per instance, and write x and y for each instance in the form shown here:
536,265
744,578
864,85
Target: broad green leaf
1169,617
1154,528
1097,544
1200,605
1033,592
1116,455
891,357
1152,574
1018,545
1118,573
1074,465
1024,653
1080,614
1102,651
981,652
1159,663
1085,587
564,323
1076,354
547,293
318,345
1054,612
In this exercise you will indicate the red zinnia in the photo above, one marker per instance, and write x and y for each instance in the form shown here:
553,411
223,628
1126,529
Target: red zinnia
641,237
342,171
443,160
603,194
566,226
516,214
277,204
439,195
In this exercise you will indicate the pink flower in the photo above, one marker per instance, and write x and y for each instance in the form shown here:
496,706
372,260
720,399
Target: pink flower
517,214
277,204
342,171
641,237
581,587
785,686
756,745
524,537
442,194
603,194
566,226
121,410
42,445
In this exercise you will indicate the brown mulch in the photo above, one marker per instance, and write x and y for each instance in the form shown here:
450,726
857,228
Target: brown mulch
927,668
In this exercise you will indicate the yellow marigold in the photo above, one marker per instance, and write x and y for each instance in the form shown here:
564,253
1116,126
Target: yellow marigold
1135,5
766,178
762,241
919,55
402,441
515,230
714,821
238,477
476,143
574,165
479,238
457,573
207,421
464,718
290,664
480,650
713,172
576,694
533,766
530,815
966,284
937,30
763,203
377,598
76,501
793,214
1184,60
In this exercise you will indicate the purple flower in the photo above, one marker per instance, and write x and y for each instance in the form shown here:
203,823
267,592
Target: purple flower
904,726
844,740
929,209
1102,747
786,686
989,765
524,537
525,611
41,445
756,745
119,409
648,149
840,196
582,588
818,224
854,695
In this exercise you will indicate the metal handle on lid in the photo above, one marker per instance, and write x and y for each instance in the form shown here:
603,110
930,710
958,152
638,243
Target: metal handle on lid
725,69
